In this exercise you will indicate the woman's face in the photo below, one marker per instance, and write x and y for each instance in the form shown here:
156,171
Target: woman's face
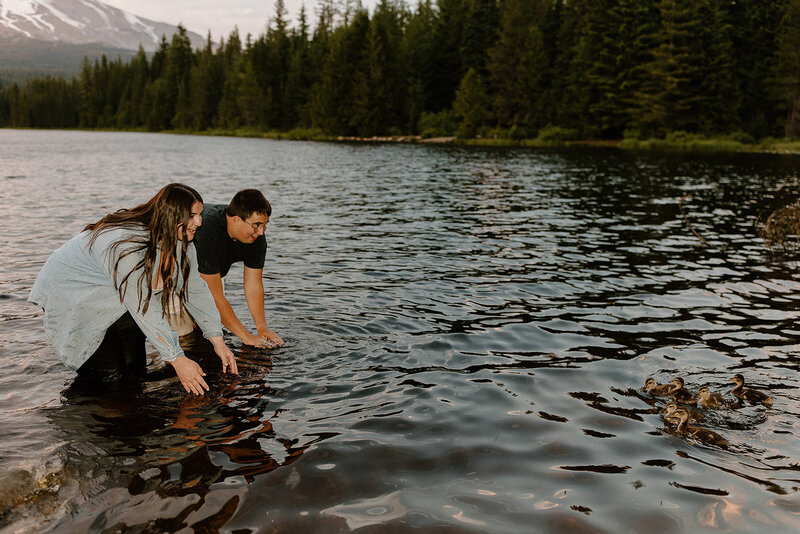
195,220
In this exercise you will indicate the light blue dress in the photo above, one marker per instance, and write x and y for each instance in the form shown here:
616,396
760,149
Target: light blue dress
76,289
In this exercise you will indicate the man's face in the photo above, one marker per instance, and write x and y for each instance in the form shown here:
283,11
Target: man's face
250,228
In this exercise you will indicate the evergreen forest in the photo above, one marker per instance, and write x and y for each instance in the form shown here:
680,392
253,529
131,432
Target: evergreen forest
587,69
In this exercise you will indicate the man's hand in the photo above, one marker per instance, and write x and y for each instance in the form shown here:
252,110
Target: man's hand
254,293
190,375
256,341
225,354
269,335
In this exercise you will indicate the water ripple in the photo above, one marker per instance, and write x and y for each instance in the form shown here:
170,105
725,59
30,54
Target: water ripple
468,332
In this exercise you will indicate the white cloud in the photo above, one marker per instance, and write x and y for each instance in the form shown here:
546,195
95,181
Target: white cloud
251,16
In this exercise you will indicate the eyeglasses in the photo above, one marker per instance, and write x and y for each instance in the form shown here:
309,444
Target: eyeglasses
257,226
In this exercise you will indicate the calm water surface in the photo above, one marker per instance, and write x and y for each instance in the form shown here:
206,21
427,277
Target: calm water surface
467,333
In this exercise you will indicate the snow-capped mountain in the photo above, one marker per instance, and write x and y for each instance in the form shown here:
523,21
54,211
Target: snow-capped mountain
82,21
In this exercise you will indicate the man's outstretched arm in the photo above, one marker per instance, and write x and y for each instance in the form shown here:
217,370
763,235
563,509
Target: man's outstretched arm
254,293
226,313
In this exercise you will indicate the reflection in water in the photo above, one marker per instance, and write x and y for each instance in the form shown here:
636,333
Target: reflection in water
191,456
467,334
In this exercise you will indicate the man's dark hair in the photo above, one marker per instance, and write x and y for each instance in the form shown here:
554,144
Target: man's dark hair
247,202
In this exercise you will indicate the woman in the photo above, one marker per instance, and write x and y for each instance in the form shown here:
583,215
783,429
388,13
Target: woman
112,285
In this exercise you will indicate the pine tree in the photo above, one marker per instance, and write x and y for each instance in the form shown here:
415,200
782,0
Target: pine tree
369,94
614,46
326,14
19,115
479,34
100,98
228,115
568,99
471,104
250,98
5,107
347,9
137,82
716,91
331,105
448,68
552,86
183,107
415,54
278,37
666,98
87,110
755,25
378,89
160,111
299,77
159,59
177,79
518,65
787,68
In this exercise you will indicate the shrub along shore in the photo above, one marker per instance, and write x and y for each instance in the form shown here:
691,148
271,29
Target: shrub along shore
676,141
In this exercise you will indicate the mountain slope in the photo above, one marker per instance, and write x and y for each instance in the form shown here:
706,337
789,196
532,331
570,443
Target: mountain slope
80,22
21,60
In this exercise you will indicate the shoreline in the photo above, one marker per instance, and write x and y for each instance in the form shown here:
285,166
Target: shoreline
689,143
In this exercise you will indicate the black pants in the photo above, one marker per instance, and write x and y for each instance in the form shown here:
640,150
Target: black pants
121,357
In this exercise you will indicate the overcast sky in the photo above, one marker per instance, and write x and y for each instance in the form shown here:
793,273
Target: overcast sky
220,16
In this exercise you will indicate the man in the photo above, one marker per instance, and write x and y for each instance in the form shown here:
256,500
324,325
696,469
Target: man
230,234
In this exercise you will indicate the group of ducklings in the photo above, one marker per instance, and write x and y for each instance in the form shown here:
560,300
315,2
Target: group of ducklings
678,410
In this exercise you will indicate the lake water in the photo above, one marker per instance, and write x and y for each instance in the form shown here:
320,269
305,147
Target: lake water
467,333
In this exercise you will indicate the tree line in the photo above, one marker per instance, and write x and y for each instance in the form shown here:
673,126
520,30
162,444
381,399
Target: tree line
599,69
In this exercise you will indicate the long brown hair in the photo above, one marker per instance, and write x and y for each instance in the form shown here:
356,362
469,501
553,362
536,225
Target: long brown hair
159,217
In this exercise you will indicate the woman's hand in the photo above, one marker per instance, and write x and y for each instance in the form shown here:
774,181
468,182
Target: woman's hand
225,354
190,375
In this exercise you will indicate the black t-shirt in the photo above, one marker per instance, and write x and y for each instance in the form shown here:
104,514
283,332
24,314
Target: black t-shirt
216,251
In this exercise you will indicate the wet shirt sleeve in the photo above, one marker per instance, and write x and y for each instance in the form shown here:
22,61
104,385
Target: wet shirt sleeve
153,323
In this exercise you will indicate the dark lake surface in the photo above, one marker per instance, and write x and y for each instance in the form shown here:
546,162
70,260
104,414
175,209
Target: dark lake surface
467,334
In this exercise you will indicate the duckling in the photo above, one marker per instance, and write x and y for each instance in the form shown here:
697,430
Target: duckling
669,412
671,407
679,393
650,386
708,399
701,434
750,395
